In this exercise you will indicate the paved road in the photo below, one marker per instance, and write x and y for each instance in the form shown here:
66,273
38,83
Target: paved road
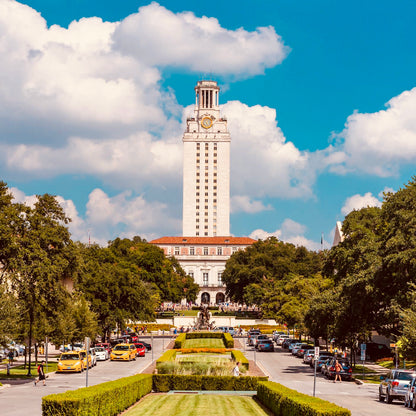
362,400
25,399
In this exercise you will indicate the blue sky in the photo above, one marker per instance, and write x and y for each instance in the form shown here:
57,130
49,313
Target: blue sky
320,98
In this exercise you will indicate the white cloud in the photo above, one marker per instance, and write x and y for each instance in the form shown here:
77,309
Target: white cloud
379,143
242,203
290,232
122,215
263,162
358,201
159,37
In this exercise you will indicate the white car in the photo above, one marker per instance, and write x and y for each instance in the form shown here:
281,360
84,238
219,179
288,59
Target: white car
101,354
93,357
281,338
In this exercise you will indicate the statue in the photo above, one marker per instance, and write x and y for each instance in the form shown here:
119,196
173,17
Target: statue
204,316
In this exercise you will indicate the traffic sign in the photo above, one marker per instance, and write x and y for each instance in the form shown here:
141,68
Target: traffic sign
363,347
316,353
362,355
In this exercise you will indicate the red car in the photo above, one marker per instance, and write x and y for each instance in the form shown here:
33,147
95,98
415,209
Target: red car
141,350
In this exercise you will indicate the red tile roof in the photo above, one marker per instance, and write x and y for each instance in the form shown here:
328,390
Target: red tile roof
235,241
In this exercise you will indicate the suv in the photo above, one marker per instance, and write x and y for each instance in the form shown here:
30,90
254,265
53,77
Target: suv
394,385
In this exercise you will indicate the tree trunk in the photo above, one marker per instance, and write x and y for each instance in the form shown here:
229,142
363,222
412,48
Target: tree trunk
29,373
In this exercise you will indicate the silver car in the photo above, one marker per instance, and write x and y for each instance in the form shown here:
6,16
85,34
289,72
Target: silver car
395,385
410,396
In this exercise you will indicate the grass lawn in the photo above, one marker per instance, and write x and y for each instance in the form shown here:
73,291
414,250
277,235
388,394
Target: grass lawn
206,358
204,343
389,364
196,404
20,372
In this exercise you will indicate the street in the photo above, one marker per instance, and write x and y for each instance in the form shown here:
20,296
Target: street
23,399
282,367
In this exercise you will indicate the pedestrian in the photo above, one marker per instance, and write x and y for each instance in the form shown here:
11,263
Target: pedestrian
338,369
41,373
236,369
10,355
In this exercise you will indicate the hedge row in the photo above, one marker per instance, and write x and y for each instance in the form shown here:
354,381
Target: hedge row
169,355
240,357
106,399
283,401
167,382
226,337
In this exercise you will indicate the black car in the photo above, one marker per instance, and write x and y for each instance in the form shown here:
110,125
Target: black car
147,345
345,373
261,338
265,345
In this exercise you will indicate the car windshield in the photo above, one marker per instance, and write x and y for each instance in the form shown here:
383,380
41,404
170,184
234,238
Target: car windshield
99,349
405,376
139,345
69,357
121,348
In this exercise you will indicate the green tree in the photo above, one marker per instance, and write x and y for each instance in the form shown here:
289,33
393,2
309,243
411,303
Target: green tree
37,256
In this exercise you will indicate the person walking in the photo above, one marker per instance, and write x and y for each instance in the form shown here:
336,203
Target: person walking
338,369
236,370
41,373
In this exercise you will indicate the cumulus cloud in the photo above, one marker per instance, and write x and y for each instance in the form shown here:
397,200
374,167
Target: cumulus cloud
379,143
290,232
242,203
263,162
358,201
124,215
159,37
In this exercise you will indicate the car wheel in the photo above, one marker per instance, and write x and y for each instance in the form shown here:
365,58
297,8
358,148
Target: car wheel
389,399
380,397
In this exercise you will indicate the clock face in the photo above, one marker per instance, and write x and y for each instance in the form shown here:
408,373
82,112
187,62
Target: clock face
206,122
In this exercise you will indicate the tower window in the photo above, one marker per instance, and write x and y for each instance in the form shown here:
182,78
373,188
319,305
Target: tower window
205,251
205,279
219,251
176,251
206,234
192,251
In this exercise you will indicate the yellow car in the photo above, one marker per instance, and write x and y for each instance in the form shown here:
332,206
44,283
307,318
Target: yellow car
84,358
123,352
71,361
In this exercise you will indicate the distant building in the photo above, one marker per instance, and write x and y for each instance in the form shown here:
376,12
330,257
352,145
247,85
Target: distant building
338,236
206,244
204,258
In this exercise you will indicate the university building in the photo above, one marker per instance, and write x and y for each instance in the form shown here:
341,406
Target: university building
206,244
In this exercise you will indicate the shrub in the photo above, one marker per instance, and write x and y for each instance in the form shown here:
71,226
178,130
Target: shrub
239,356
180,339
167,382
228,340
283,401
104,399
169,355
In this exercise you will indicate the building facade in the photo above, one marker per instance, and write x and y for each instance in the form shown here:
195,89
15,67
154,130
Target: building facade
206,167
206,244
204,258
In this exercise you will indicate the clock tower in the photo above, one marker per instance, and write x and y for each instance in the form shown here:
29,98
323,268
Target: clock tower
206,167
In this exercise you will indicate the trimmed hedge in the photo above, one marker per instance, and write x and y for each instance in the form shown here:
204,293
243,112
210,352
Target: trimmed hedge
169,355
283,401
226,337
106,399
239,356
167,382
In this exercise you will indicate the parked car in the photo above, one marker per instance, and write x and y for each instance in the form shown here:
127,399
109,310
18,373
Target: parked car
101,353
141,349
324,366
394,385
277,334
265,345
69,362
260,338
410,396
93,357
228,329
86,361
289,341
146,345
293,348
308,355
321,359
281,338
105,345
345,373
303,348
323,356
123,352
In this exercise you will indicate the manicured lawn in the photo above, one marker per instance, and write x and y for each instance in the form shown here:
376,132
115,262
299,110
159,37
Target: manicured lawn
389,364
204,343
205,358
196,404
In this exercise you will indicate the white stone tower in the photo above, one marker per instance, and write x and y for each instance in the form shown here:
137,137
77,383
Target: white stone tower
206,167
